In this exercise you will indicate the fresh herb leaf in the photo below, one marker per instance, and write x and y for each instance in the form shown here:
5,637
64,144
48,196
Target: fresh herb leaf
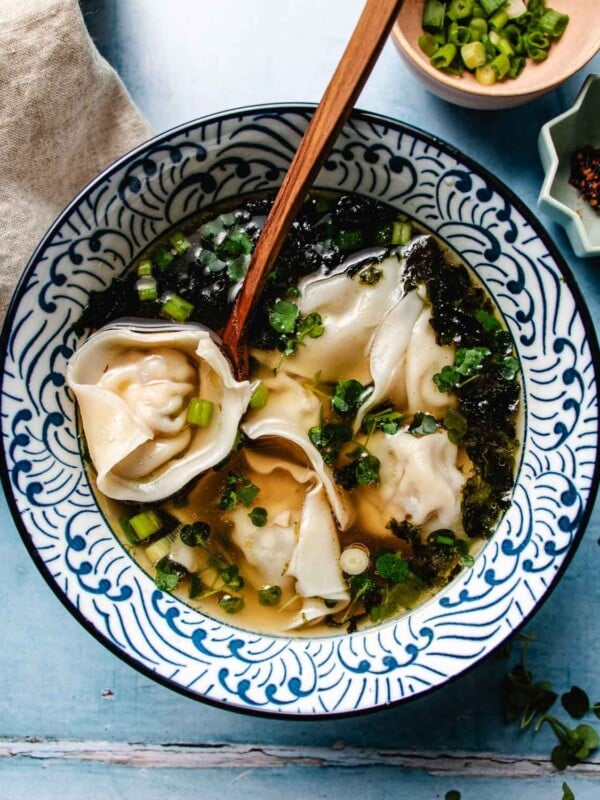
567,793
367,469
456,425
283,316
348,396
230,575
231,604
392,566
328,438
269,595
467,363
574,745
195,535
258,516
488,321
523,697
575,702
196,587
510,368
422,424
386,420
167,575
311,326
452,795
237,490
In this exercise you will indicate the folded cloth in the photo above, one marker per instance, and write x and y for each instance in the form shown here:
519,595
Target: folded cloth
64,116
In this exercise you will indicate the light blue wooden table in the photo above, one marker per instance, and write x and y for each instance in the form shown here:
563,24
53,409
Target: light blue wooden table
76,722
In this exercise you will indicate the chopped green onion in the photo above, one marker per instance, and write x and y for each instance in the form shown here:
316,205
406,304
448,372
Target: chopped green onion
536,40
459,9
130,534
498,20
485,75
553,23
236,243
500,65
383,235
259,397
200,412
146,524
478,27
144,268
434,13
428,45
513,35
176,308
504,46
458,34
444,56
348,240
146,288
179,242
490,6
517,65
160,549
162,256
473,55
401,232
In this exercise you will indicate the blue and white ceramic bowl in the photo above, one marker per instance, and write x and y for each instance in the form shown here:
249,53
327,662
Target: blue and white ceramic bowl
108,225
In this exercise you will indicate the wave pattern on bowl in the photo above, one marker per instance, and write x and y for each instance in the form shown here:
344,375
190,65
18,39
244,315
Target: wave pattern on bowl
107,227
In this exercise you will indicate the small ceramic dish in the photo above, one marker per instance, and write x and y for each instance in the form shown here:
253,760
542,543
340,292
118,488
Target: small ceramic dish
559,140
219,159
579,43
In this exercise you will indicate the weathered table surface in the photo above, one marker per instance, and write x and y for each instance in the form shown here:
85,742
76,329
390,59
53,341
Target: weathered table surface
76,722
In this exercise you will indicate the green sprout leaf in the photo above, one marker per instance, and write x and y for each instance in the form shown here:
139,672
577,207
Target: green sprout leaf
575,702
348,396
422,424
386,420
392,566
283,316
195,535
456,425
258,516
167,575
467,363
269,595
237,490
231,604
328,438
567,793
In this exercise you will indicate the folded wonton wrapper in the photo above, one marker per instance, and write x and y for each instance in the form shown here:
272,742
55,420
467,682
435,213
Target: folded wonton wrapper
133,384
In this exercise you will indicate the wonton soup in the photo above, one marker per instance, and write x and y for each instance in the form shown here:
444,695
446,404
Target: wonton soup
363,464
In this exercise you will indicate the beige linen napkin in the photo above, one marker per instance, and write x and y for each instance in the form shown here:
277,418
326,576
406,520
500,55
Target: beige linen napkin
64,116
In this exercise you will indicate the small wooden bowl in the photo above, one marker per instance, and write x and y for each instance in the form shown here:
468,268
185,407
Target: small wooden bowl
579,43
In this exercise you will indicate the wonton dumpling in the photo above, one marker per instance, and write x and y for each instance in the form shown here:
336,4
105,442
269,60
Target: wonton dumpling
268,549
133,385
387,359
289,413
351,312
425,357
419,481
316,559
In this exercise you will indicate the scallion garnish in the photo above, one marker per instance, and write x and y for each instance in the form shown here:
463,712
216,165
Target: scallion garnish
200,412
145,524
176,308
